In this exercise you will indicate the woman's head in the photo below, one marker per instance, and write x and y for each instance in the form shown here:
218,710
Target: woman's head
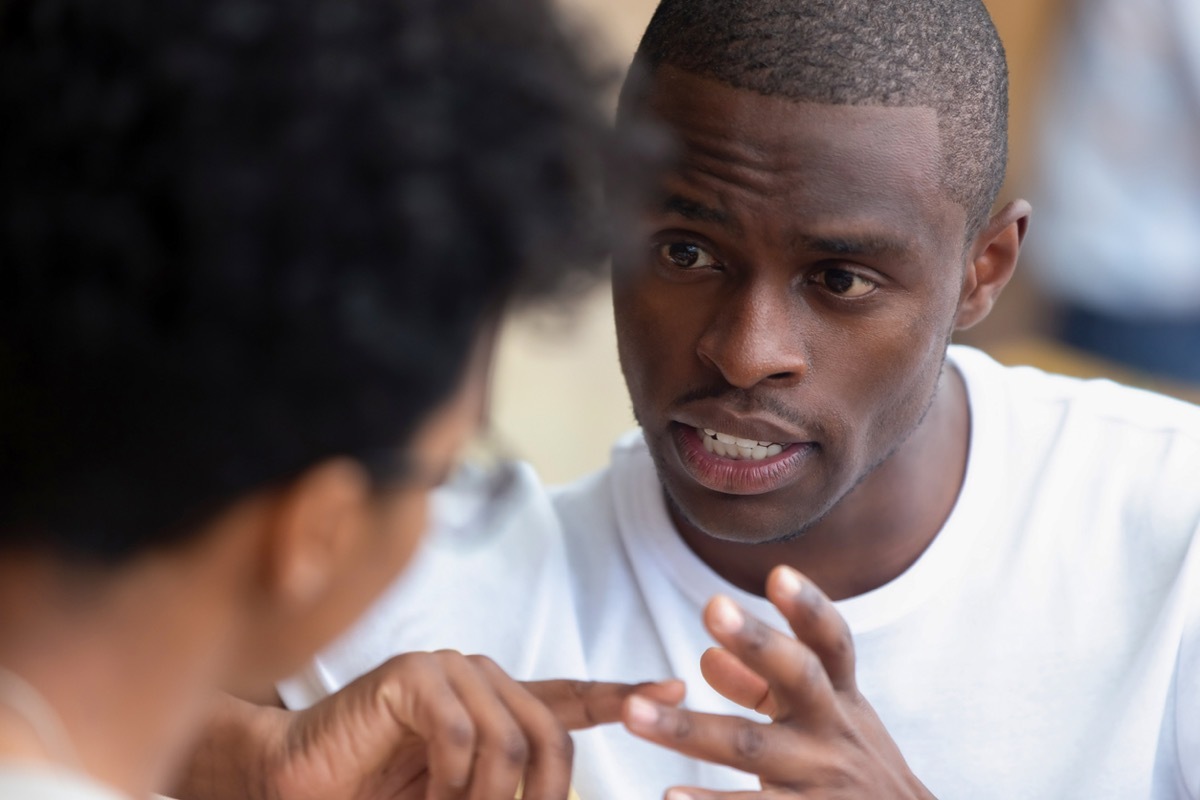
250,249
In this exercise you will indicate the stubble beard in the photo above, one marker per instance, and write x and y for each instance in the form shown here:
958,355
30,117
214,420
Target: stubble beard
677,511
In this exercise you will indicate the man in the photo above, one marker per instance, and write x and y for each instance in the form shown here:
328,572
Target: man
990,577
253,256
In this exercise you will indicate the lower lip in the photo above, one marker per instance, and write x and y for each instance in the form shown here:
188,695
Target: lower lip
741,476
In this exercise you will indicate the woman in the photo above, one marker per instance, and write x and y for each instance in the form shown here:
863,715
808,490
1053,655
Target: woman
253,256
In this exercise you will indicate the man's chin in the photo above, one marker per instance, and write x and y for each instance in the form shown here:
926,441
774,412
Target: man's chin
736,519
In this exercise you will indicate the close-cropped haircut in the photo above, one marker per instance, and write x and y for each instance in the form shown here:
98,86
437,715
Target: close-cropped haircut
940,54
238,237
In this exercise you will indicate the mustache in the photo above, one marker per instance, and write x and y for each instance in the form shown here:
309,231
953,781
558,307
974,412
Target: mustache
749,401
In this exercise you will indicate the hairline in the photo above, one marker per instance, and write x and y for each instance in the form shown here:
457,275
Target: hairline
644,71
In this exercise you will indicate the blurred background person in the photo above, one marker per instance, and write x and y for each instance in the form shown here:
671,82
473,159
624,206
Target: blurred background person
1115,184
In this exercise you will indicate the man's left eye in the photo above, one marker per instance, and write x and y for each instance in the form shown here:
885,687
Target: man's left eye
844,283
685,255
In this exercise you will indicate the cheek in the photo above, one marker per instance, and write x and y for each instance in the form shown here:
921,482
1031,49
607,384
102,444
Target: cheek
656,336
638,340
403,527
908,367
397,533
380,554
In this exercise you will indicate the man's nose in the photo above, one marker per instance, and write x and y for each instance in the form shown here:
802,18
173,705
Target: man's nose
756,336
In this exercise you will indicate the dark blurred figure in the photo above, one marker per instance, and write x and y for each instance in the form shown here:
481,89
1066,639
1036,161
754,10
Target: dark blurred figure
252,258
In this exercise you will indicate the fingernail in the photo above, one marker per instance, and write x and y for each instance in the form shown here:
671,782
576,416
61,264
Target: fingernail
642,713
789,581
726,616
678,794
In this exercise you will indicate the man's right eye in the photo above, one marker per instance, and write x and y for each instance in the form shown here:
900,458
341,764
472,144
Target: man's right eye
685,255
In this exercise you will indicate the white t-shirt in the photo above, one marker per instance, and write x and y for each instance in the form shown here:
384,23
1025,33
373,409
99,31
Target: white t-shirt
32,782
1046,644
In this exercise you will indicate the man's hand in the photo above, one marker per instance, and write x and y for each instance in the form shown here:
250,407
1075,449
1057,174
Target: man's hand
824,740
421,726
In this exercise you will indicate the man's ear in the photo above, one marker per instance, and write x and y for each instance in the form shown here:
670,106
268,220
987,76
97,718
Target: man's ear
319,518
993,258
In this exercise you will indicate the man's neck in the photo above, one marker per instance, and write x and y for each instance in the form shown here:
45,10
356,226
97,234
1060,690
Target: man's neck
880,528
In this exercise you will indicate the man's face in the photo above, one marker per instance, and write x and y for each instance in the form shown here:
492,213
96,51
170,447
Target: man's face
794,288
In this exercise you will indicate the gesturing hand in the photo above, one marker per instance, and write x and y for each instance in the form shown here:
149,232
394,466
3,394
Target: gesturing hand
443,725
824,740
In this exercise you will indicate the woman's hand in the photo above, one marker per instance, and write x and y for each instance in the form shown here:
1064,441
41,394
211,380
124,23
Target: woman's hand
423,725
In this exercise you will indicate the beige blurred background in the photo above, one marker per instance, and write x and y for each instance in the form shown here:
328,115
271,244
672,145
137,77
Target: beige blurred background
559,397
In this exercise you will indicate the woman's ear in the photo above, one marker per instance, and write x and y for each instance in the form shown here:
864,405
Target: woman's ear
993,258
312,536
320,517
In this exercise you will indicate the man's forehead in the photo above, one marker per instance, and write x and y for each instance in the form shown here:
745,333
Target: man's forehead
835,178
743,155
839,233
714,118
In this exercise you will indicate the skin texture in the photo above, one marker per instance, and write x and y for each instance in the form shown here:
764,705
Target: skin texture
824,273
797,281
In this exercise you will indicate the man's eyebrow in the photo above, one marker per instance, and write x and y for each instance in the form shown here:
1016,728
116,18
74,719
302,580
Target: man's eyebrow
690,209
867,244
855,245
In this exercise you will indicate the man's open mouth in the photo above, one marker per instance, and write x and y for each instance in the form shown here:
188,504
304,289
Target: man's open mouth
732,447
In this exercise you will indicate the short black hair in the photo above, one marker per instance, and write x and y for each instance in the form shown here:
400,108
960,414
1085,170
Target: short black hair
240,236
941,54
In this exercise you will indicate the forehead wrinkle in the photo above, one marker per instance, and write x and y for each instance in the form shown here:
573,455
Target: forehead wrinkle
730,160
704,190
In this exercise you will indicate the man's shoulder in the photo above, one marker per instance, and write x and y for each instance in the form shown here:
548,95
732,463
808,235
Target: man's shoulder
1095,447
595,491
1017,390
593,509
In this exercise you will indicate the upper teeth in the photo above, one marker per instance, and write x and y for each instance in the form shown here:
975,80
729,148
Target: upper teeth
722,444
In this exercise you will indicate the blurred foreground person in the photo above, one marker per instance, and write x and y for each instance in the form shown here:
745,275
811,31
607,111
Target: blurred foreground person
253,256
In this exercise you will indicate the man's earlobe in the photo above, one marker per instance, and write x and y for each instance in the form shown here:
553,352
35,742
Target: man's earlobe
319,516
993,259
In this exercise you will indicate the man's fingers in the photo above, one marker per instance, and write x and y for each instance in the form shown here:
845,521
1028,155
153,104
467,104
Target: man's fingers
769,751
737,682
816,623
583,704
796,676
